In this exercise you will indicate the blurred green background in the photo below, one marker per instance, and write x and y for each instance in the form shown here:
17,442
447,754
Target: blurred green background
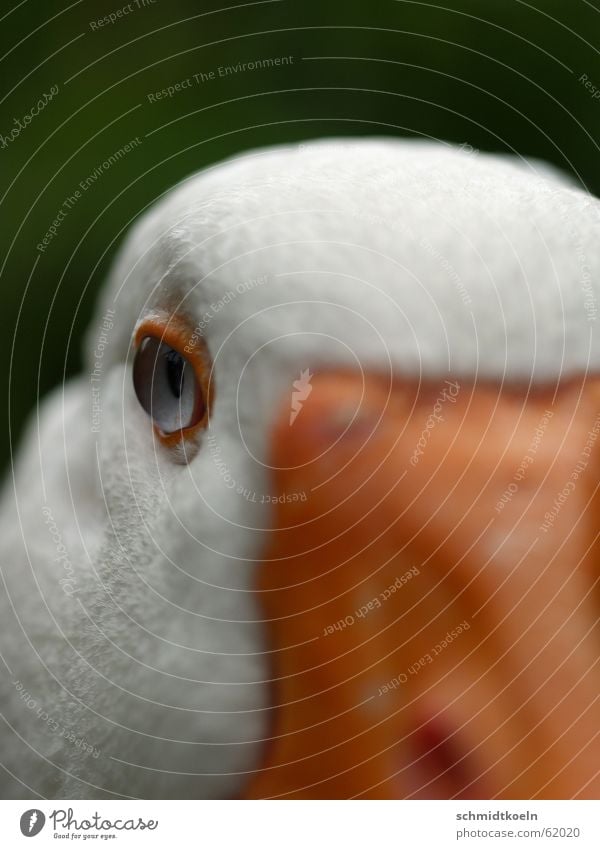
496,74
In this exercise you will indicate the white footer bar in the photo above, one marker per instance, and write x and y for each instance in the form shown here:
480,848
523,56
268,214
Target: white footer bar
305,824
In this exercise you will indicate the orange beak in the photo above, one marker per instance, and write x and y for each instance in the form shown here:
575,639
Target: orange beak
430,593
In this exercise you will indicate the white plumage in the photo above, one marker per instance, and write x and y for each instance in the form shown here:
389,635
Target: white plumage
127,614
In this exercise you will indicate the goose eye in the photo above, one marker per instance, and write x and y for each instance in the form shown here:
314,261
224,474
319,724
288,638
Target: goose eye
166,386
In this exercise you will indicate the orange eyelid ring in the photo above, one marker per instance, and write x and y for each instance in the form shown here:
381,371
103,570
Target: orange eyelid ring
179,333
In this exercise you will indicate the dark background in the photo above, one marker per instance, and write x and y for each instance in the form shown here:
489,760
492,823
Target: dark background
499,75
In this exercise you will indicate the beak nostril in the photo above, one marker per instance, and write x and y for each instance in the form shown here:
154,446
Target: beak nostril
349,422
440,767
344,414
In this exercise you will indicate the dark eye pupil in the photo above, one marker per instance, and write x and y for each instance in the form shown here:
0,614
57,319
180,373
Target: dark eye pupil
175,372
166,386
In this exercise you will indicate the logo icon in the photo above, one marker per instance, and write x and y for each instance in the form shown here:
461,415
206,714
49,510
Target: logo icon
302,389
32,822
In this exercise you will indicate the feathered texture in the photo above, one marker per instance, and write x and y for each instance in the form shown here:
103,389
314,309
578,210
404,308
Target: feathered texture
133,656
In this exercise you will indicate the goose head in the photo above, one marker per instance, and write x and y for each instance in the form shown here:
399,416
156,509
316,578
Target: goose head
306,523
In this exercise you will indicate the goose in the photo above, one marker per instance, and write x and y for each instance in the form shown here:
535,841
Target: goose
318,518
